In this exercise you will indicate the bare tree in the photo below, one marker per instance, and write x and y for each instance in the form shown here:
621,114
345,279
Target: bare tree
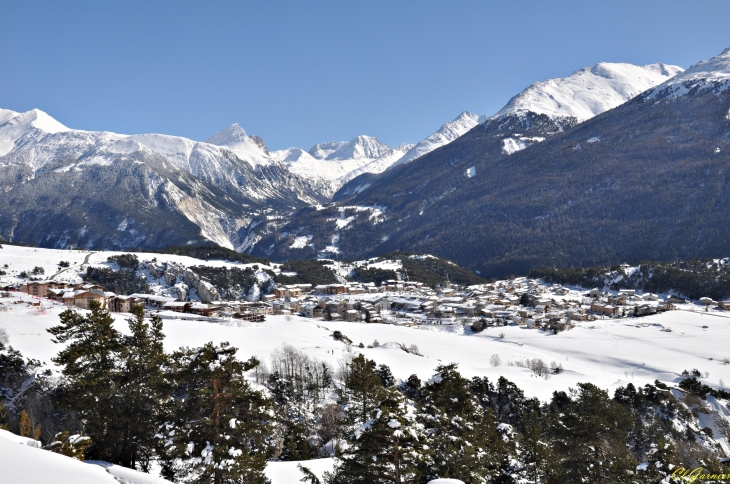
495,360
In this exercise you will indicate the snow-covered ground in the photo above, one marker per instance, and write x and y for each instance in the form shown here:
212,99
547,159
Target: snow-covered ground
22,462
609,353
25,259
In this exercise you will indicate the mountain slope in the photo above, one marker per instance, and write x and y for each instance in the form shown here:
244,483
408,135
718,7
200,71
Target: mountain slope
178,190
446,134
329,165
588,91
645,180
540,111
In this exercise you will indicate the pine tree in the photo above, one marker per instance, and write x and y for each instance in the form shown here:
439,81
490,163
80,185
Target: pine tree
142,387
537,460
115,383
218,423
363,391
28,428
89,363
463,435
589,432
387,448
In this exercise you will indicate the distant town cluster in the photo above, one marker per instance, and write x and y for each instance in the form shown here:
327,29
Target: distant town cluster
520,301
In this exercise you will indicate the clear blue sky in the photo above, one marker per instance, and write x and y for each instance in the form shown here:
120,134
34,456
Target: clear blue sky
303,72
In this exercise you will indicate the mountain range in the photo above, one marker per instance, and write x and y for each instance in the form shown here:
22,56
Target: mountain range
598,166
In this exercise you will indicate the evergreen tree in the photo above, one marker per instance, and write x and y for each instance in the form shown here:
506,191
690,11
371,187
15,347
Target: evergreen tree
589,431
363,391
142,387
115,383
217,423
537,459
296,445
73,446
90,365
386,449
463,435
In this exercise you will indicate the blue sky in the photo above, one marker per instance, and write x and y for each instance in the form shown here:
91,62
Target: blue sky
299,73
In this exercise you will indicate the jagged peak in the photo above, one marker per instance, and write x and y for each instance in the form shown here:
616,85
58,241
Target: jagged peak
231,135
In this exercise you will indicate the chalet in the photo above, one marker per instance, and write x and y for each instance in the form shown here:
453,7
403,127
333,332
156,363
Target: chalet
382,304
56,294
202,309
707,301
124,304
258,307
177,306
82,298
610,310
249,316
597,307
336,289
352,315
645,310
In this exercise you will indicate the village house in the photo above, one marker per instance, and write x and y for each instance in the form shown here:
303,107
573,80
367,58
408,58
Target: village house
82,298
177,306
124,304
203,309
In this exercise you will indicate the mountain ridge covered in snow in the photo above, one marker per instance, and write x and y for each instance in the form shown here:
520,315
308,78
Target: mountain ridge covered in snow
588,91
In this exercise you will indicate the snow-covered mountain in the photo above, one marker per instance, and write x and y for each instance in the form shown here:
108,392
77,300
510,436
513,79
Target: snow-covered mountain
249,148
332,164
708,75
337,162
446,134
214,189
360,148
589,91
551,106
323,150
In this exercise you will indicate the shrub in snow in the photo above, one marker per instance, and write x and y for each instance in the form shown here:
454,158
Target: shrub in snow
495,360
70,445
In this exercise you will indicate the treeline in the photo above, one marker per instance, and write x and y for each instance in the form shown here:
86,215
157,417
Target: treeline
211,252
206,416
694,279
431,271
231,282
308,271
123,281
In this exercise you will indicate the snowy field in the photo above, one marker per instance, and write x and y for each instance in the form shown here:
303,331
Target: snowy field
609,353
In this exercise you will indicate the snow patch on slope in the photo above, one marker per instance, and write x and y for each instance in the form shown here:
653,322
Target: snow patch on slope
518,143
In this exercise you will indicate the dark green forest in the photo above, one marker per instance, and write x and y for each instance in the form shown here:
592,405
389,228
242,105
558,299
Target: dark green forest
692,279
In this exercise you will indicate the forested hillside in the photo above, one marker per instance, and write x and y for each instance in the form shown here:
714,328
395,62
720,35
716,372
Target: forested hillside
693,279
645,181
